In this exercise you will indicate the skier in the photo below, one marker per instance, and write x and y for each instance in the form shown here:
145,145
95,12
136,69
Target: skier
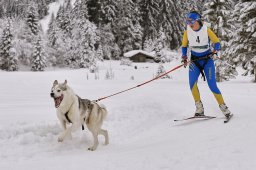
198,37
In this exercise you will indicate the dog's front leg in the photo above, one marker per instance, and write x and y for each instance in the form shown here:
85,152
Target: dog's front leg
63,126
67,132
62,134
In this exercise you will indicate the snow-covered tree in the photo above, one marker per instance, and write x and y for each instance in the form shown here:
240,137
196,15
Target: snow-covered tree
127,28
159,45
57,43
149,12
52,31
8,59
18,8
82,51
38,59
161,71
94,11
64,18
25,34
242,46
80,10
32,19
218,12
107,41
109,11
171,22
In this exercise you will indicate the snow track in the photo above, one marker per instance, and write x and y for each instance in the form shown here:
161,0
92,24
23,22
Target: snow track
140,123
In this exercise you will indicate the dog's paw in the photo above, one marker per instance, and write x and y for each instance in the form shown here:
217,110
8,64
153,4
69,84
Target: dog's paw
92,148
60,139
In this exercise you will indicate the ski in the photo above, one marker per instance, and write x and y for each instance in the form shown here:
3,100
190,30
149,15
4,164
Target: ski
227,119
196,117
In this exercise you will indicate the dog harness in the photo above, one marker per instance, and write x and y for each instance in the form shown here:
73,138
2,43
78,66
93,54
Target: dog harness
88,106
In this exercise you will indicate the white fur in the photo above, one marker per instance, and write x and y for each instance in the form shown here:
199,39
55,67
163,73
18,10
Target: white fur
93,117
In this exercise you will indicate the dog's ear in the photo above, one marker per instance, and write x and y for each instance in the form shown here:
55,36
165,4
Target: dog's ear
55,83
63,86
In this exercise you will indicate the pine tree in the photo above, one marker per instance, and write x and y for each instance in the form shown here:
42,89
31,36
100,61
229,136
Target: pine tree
171,22
161,71
52,32
80,10
32,19
38,59
107,41
94,11
8,59
65,23
127,28
109,11
159,45
42,9
218,12
149,13
242,45
81,52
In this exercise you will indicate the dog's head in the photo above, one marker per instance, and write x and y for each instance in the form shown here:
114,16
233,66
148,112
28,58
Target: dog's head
57,92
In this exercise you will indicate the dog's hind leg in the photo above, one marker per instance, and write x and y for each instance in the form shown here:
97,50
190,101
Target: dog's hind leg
95,141
105,134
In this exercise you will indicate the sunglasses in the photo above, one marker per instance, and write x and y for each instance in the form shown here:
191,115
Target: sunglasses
190,21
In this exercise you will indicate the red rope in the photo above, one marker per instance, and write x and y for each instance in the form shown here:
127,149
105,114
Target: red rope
143,83
175,68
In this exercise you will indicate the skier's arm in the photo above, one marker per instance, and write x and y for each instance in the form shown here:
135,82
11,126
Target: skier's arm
184,44
214,39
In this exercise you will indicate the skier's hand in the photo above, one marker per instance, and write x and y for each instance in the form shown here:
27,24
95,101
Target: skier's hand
184,61
214,55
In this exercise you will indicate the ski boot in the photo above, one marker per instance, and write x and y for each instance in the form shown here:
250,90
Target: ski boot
199,109
225,111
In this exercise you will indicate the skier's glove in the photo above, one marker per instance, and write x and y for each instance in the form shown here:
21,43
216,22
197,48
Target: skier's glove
184,61
214,55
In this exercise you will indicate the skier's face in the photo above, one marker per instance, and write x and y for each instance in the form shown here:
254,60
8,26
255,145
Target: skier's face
195,26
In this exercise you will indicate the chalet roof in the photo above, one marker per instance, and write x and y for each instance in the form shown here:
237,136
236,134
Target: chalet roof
134,52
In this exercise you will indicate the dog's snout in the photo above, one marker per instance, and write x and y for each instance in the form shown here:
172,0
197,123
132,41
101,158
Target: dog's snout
52,94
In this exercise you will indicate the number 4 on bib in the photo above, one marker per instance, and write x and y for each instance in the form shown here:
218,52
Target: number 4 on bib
198,39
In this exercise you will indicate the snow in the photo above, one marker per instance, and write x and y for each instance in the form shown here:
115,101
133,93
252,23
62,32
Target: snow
142,132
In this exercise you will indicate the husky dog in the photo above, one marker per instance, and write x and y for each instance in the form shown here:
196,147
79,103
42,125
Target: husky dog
71,109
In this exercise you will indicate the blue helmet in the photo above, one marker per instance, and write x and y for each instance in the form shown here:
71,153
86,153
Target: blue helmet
194,15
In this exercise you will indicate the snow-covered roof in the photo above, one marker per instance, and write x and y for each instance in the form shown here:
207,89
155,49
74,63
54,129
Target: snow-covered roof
134,52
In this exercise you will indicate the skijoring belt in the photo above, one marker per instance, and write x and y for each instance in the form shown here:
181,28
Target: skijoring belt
196,60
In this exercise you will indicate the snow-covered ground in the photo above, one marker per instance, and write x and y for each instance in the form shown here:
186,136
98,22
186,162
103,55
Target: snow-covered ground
142,132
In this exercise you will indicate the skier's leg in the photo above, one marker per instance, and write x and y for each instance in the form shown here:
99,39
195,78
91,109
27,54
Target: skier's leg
209,71
194,73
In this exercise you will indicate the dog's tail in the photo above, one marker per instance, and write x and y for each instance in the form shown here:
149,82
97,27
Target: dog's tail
104,110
